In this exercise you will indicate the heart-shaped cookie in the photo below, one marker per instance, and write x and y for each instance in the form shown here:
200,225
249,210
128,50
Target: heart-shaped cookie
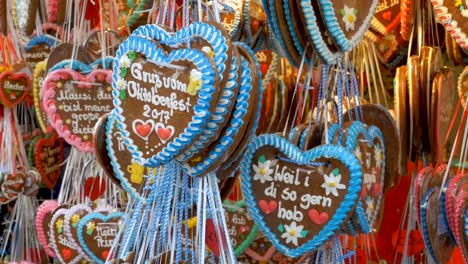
48,157
327,179
38,49
154,89
14,87
242,229
72,218
43,219
13,184
347,21
453,15
435,232
74,103
64,250
94,187
96,234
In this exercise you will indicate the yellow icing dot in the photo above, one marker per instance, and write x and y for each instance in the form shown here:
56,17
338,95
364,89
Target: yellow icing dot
109,89
60,107
292,232
59,85
262,171
85,137
68,121
351,19
332,184
197,159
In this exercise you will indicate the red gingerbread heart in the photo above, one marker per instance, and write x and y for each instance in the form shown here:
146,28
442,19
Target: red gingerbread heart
95,187
48,157
13,87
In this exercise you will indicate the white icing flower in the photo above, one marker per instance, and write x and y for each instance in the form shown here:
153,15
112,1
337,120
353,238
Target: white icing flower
293,232
370,207
125,61
195,74
349,17
332,183
121,84
263,171
378,155
208,51
358,154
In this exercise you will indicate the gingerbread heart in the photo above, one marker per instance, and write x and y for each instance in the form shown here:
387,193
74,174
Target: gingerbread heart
242,229
453,15
72,218
96,234
43,218
13,184
38,49
14,87
64,250
129,173
74,103
48,157
327,179
94,187
154,89
347,21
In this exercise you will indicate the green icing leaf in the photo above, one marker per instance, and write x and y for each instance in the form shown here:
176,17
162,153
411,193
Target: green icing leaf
342,12
336,171
281,228
123,94
262,159
304,233
132,56
123,72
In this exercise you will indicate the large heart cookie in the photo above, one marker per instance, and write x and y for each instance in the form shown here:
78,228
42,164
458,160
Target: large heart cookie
299,200
43,218
96,234
347,21
74,103
71,220
162,101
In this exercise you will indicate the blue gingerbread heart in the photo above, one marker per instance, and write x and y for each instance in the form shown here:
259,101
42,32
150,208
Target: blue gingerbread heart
299,199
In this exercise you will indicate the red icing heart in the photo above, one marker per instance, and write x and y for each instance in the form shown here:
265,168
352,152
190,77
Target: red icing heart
387,15
267,207
105,254
164,133
143,130
66,253
13,87
211,239
95,187
48,156
318,218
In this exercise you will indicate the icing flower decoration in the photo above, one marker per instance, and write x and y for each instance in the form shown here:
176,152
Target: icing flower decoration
370,207
332,183
59,226
292,233
121,84
75,219
349,17
208,51
90,228
125,61
378,155
263,171
358,154
195,82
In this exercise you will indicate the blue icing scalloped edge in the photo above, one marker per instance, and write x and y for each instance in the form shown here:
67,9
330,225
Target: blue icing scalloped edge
275,28
114,163
303,137
237,120
423,213
219,114
296,42
39,40
215,38
292,152
370,133
201,113
88,218
82,67
259,100
332,130
329,17
315,34
443,194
